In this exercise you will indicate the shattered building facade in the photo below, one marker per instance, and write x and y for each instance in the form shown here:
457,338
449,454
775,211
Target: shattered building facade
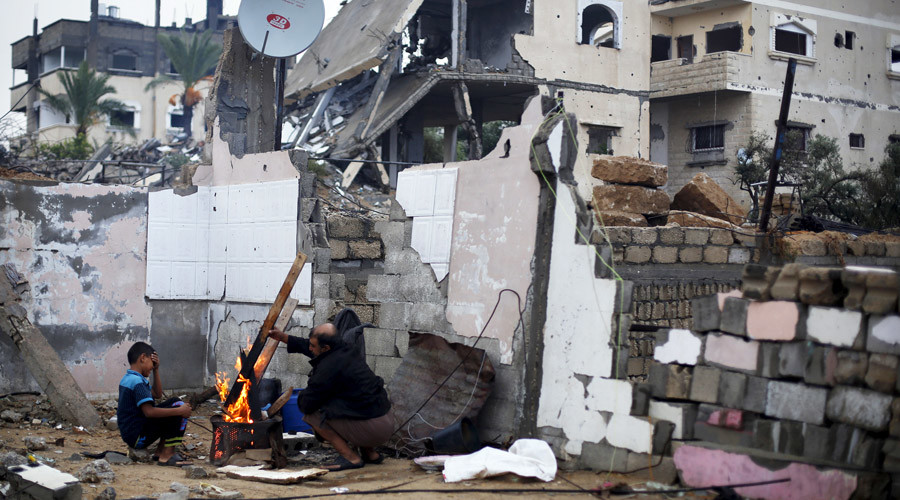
126,51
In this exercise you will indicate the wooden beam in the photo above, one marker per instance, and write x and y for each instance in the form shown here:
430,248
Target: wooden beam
271,344
350,173
249,359
280,402
463,106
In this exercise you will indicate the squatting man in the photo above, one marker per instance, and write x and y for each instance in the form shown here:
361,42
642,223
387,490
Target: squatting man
344,401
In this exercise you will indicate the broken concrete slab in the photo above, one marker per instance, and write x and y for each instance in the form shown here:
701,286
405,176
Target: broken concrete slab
635,199
619,218
256,473
692,219
629,170
704,196
40,481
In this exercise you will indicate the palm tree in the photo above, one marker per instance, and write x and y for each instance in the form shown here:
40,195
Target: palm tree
193,60
83,90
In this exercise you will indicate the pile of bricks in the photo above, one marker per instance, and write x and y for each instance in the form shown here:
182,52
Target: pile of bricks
801,365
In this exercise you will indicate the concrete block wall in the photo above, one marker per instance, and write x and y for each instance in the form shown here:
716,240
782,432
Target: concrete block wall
804,381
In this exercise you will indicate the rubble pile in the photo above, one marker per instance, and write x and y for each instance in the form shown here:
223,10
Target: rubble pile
800,367
27,409
630,191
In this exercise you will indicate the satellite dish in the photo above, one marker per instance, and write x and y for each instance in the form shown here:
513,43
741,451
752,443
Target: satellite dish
281,28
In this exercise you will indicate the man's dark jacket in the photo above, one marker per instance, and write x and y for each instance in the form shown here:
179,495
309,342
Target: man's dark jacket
341,384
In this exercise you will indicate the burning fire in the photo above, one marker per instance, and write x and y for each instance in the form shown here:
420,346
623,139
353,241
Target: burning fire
239,411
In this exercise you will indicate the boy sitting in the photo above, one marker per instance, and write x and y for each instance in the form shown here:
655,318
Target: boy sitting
140,421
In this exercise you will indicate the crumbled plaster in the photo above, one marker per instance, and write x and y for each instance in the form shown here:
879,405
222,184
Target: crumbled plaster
576,337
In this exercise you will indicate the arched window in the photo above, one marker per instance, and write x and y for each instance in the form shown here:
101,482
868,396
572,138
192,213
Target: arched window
124,60
598,26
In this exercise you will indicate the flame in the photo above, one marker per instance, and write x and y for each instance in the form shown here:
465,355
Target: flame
239,411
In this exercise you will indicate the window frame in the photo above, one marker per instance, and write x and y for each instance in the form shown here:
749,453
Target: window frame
740,32
616,11
797,25
861,138
131,107
124,52
694,133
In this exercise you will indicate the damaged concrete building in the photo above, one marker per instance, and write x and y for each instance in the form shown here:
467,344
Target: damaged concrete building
126,51
718,70
609,343
681,82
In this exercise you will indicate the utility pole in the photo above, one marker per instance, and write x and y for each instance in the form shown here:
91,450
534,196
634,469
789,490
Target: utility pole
779,144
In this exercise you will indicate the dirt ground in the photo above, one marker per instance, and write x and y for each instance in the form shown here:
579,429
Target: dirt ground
151,480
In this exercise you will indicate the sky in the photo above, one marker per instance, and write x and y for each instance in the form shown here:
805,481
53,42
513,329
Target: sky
16,21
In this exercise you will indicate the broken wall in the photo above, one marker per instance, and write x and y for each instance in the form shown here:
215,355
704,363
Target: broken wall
491,29
83,250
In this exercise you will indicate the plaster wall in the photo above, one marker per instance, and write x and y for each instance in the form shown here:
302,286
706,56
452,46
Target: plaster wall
491,28
493,237
699,24
82,249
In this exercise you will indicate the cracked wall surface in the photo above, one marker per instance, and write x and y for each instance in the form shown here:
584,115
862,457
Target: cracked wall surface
82,249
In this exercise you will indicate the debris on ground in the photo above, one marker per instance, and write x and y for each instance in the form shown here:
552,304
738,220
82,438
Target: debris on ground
283,476
96,472
525,458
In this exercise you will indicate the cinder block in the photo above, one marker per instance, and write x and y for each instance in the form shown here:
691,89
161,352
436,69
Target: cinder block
721,237
732,389
705,384
320,286
815,372
882,373
757,280
821,286
680,346
755,396
859,407
884,334
364,249
765,434
402,261
881,293
854,281
769,359
817,443
773,320
385,367
345,226
429,318
380,342
711,427
322,259
706,313
670,381
732,352
734,316
894,426
787,284
637,254
384,288
792,358
682,415
640,400
394,315
696,235
790,438
796,402
339,249
390,233
851,367
831,325
715,255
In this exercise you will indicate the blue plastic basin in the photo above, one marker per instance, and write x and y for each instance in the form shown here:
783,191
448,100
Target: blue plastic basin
292,417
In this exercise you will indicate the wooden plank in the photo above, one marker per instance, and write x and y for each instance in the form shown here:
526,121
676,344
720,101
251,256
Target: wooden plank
280,402
385,71
257,473
271,344
249,362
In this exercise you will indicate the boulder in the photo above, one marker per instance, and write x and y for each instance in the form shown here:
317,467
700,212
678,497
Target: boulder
691,219
617,218
629,170
634,199
704,196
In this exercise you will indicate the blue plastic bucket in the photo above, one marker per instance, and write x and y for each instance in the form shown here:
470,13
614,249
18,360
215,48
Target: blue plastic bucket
292,417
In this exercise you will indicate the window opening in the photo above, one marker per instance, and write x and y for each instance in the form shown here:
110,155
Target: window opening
124,60
894,139
121,118
686,47
600,139
857,141
895,59
660,48
849,36
51,60
796,138
598,26
709,137
725,39
791,39
72,56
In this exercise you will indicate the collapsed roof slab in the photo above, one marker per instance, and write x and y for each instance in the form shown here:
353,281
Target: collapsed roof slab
504,96
357,39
